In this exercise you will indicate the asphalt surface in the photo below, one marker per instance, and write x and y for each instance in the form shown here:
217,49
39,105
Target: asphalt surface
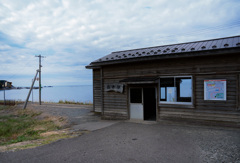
136,142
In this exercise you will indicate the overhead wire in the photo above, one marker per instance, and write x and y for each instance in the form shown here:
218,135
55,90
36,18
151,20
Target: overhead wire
206,30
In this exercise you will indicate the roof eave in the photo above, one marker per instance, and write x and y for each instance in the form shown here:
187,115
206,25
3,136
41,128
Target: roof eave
94,65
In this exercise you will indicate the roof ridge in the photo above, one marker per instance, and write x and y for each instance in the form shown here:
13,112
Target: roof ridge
175,44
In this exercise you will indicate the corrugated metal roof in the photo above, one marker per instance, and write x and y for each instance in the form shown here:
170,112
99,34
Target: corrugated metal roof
205,45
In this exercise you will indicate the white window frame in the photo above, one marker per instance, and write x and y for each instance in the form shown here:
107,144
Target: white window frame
177,103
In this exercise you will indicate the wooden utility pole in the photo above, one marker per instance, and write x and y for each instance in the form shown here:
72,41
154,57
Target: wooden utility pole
40,86
25,105
32,93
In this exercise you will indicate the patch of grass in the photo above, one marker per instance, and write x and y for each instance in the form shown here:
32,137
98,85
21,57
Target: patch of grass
13,128
2,107
19,102
47,139
53,138
22,126
75,102
39,142
8,102
29,113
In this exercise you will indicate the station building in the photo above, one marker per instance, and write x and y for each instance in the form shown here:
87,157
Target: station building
194,81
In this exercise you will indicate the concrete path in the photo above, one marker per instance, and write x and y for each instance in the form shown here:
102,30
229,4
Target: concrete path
135,142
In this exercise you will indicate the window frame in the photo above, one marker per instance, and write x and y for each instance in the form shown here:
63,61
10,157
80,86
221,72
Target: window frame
175,103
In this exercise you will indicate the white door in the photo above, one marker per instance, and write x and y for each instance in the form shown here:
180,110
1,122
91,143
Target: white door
136,103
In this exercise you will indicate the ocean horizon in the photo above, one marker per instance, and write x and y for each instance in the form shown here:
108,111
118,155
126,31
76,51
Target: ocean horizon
77,93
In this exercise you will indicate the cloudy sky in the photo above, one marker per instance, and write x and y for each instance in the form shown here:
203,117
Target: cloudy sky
72,33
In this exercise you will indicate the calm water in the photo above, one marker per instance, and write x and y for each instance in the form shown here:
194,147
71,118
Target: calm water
83,93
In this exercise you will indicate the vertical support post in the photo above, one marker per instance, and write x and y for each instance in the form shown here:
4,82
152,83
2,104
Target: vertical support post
4,97
32,93
238,92
157,100
102,93
128,101
25,105
93,90
40,79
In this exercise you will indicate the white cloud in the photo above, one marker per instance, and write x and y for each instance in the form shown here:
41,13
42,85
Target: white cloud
71,32
4,47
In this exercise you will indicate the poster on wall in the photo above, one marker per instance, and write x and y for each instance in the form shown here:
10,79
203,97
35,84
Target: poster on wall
215,89
171,94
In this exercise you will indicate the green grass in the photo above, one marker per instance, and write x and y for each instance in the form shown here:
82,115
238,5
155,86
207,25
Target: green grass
74,102
22,127
4,107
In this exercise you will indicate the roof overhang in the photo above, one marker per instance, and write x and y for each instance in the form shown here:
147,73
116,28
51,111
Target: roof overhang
94,65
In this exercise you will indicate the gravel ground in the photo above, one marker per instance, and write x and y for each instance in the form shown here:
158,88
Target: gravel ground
75,114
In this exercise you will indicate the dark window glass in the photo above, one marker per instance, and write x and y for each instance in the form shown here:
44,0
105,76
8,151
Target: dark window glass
165,85
135,95
167,82
176,89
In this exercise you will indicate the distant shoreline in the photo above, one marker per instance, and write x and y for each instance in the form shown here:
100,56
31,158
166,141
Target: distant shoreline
23,88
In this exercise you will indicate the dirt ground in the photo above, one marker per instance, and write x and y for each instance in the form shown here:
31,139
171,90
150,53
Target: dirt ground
74,114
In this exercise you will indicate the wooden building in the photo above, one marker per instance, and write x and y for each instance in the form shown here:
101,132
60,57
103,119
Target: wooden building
195,81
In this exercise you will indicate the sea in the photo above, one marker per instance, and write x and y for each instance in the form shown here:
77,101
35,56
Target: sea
79,93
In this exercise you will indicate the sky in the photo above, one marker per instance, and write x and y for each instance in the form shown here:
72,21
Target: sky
73,33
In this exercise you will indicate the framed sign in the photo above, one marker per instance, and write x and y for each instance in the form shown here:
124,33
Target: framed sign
114,88
215,89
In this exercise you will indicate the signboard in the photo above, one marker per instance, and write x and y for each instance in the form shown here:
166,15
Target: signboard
114,88
215,89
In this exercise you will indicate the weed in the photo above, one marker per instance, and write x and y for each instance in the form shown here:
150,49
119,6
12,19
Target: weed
75,102
20,127
2,107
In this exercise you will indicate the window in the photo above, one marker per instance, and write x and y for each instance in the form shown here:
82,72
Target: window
176,90
135,95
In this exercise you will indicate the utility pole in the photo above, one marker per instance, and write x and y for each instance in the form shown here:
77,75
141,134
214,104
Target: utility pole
25,105
32,93
39,71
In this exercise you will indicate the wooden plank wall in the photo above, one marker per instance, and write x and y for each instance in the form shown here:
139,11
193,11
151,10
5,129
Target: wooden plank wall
208,67
115,104
238,95
97,103
181,66
229,104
